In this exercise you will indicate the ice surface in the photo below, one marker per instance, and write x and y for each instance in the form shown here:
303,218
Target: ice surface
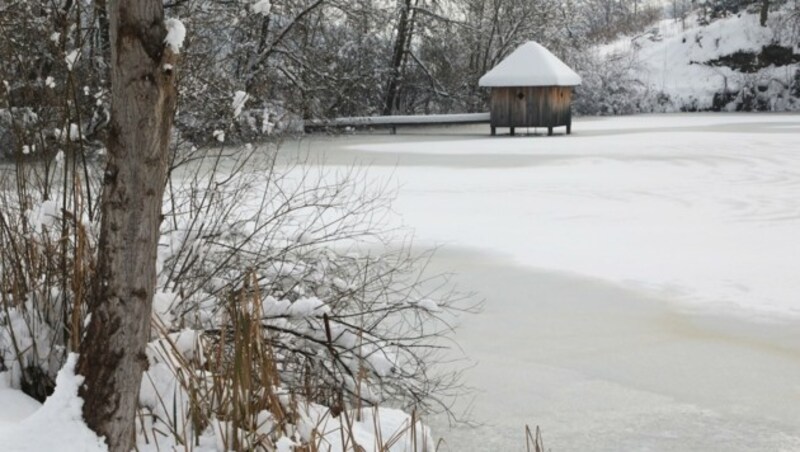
639,276
707,217
603,368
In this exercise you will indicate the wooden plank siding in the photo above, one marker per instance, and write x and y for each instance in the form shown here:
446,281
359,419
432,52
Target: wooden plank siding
531,106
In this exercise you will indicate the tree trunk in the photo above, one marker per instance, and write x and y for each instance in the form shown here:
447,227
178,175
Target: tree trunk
397,58
142,106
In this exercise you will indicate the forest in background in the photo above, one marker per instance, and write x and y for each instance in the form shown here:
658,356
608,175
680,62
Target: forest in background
268,66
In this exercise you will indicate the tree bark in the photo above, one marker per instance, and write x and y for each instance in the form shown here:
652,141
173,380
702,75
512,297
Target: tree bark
396,73
142,107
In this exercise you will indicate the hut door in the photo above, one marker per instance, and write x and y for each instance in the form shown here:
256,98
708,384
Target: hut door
519,104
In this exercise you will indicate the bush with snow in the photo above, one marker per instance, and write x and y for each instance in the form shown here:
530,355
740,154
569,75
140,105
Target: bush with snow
277,268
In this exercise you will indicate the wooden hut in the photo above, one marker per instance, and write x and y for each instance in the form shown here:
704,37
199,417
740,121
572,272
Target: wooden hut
531,88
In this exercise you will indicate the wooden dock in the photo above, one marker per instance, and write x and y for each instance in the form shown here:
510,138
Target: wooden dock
393,122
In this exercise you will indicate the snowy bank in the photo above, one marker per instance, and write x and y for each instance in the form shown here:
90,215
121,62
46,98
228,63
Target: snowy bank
57,425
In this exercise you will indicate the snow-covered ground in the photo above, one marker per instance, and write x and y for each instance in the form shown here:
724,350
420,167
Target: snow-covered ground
639,275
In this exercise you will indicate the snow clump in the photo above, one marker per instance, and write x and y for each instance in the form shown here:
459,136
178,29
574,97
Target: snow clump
58,424
262,7
71,58
308,307
239,99
176,33
44,215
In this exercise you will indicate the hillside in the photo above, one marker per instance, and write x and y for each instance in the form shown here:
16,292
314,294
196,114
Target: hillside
729,64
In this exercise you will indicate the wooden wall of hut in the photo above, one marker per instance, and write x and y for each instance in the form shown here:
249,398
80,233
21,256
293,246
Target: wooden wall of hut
534,106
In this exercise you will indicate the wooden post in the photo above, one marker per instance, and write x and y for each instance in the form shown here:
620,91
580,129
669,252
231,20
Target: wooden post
512,131
494,130
550,131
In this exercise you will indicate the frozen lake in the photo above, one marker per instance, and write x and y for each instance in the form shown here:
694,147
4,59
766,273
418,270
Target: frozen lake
640,276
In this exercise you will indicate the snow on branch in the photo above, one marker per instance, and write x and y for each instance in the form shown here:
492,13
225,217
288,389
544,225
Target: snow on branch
262,7
176,33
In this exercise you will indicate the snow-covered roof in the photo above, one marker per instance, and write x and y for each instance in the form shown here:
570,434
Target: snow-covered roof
531,65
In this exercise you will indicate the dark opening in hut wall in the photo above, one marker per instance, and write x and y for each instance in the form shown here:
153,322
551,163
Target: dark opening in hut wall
535,106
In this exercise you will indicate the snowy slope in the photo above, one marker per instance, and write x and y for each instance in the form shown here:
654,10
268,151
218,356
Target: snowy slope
676,59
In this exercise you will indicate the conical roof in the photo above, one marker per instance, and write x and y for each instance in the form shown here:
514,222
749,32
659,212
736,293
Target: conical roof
531,65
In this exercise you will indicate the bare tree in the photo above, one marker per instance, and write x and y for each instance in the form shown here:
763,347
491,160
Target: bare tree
142,105
405,30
